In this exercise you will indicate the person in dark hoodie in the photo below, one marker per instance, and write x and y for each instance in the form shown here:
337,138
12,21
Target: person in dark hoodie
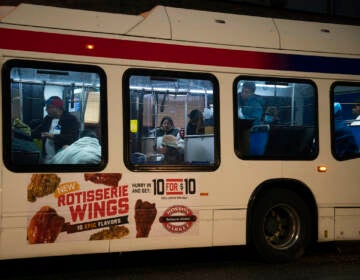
196,125
59,128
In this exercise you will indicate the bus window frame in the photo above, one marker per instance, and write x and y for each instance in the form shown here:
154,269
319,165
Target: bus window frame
126,120
301,157
332,118
7,125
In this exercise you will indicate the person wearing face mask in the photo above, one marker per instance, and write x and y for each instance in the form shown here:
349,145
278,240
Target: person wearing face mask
271,115
58,128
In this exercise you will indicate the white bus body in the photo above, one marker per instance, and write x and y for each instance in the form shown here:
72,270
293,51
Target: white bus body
135,68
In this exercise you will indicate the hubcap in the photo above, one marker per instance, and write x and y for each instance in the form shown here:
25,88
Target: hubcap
281,227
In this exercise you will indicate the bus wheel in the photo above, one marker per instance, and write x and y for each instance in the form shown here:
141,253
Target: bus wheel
280,226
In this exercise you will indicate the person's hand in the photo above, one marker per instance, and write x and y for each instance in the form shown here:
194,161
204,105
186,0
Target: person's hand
161,150
47,135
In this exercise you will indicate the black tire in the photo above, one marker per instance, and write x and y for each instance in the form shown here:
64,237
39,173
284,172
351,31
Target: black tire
280,226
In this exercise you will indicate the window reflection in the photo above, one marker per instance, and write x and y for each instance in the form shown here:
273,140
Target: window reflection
346,121
55,116
275,119
171,120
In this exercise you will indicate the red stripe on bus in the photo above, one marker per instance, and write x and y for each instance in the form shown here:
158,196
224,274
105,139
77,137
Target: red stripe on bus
25,40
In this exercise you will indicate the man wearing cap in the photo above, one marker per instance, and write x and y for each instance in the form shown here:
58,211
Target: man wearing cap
58,128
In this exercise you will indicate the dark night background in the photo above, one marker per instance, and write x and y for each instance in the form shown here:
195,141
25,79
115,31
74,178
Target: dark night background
344,11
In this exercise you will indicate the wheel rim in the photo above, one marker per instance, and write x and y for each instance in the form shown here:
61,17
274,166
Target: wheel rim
281,227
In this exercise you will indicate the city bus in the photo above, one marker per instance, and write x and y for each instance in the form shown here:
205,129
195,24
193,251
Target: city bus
176,128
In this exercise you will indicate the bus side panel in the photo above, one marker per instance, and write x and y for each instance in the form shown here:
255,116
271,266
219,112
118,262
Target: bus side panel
16,216
14,245
199,235
347,223
326,224
229,227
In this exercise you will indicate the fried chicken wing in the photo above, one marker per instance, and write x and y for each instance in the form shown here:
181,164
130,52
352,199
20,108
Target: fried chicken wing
145,213
45,226
108,179
42,185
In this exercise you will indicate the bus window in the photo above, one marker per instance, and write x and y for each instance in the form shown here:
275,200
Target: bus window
345,120
171,121
55,117
275,119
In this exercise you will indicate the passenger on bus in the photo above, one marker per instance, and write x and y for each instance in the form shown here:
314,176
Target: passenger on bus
23,148
345,144
167,127
173,154
251,105
85,150
271,115
196,123
356,113
209,115
57,129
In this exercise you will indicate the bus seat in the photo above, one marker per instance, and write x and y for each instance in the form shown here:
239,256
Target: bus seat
307,141
25,158
138,158
24,151
356,131
199,149
259,135
94,127
148,145
289,141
